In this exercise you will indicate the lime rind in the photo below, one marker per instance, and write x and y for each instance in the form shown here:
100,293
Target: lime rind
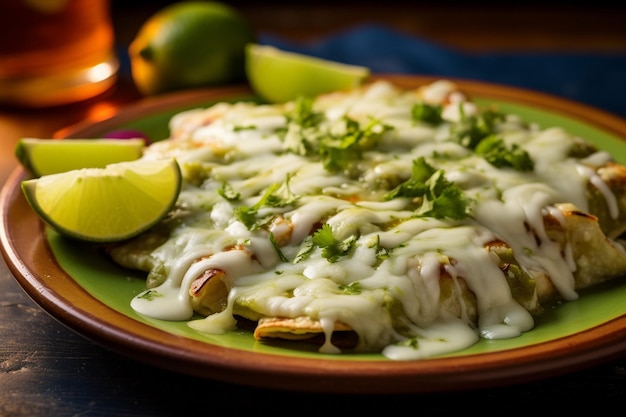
50,156
107,204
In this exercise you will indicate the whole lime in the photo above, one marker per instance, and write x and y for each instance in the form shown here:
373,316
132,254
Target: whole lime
187,45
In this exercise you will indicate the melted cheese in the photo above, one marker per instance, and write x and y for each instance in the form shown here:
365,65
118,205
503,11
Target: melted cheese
250,148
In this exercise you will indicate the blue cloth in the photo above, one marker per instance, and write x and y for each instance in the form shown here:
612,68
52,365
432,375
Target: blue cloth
595,79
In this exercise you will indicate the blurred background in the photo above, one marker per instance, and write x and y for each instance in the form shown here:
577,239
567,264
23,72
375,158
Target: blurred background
576,50
470,25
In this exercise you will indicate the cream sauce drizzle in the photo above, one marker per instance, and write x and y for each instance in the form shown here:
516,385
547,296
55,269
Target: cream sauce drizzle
509,205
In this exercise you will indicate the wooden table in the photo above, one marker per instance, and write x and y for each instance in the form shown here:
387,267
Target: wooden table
48,370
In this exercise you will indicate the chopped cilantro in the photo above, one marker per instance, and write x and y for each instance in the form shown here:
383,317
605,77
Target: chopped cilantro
281,256
416,185
248,216
276,195
339,145
382,253
301,133
228,193
338,151
423,112
472,129
306,249
494,150
478,133
240,128
439,197
450,203
333,248
150,295
412,343
303,113
353,288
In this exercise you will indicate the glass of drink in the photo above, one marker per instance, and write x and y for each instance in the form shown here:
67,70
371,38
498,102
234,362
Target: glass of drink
55,52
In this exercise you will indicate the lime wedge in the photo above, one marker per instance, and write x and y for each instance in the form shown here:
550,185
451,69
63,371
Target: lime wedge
51,156
277,76
106,204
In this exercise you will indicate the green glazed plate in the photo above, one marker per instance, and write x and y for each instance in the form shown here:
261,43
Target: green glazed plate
80,287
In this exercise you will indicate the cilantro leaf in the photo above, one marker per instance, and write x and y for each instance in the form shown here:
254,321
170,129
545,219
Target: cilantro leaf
382,253
339,151
228,193
437,196
303,113
450,203
333,248
353,288
472,129
416,185
248,216
279,252
150,295
494,150
306,250
302,134
276,195
423,112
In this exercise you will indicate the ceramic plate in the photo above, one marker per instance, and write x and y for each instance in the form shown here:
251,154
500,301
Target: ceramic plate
89,294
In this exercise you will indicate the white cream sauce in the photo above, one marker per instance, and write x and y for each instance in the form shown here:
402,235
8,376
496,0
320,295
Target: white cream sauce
240,145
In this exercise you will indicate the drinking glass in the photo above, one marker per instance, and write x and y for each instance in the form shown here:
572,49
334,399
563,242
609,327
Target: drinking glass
55,52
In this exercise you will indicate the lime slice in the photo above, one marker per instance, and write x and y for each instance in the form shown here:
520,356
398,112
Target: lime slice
277,76
50,156
106,204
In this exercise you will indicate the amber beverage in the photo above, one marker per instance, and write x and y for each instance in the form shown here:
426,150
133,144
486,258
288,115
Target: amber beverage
55,52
